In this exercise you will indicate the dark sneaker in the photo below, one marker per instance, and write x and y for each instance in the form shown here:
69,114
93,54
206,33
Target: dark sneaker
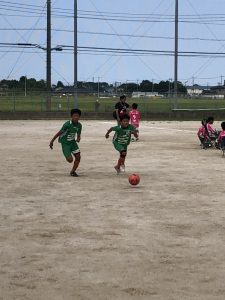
74,174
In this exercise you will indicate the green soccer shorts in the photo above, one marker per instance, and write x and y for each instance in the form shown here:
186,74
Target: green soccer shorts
70,148
119,147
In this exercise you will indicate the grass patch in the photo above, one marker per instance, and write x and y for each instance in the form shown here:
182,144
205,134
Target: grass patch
87,103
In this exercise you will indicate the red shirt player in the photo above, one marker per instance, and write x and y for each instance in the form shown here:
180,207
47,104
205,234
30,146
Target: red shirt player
221,137
135,116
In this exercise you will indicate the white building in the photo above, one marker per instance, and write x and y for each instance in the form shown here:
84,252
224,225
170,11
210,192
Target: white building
196,90
145,94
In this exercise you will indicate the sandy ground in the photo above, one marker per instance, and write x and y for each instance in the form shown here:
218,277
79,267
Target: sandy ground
97,237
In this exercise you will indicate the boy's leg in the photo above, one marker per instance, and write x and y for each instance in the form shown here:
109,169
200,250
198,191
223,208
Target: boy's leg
137,128
66,149
123,151
69,151
76,162
121,160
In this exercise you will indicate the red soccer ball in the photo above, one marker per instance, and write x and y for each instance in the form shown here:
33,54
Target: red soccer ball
134,179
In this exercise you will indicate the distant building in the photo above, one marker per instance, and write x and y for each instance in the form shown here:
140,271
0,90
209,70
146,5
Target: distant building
146,95
215,92
196,90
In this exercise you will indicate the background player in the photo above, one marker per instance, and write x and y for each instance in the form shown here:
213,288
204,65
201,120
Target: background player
120,108
221,137
135,117
67,136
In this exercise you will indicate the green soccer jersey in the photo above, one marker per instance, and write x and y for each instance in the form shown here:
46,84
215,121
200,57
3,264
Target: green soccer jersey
122,135
69,131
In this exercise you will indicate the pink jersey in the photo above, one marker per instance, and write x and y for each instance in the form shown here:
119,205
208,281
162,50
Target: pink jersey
221,136
134,117
201,132
210,129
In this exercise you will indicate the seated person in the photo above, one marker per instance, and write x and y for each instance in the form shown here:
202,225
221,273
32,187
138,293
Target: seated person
203,135
221,137
213,133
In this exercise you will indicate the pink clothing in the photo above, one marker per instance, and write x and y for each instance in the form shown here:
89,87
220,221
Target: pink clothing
201,132
210,129
221,136
134,117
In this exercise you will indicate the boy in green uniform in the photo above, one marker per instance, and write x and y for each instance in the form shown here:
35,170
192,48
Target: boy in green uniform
66,137
121,140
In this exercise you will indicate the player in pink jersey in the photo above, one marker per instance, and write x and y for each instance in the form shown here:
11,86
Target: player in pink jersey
135,117
211,130
221,137
203,135
202,131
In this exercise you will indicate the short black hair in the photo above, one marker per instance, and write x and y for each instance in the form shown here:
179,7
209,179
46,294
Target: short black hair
123,97
210,119
134,105
204,121
125,117
75,111
223,125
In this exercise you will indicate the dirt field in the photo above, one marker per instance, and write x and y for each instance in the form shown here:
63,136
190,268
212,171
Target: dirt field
97,237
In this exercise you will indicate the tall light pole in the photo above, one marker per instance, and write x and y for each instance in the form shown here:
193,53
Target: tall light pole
75,55
48,69
25,86
176,54
170,80
98,87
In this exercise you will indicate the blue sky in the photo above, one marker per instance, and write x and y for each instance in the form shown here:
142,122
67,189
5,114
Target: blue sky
201,29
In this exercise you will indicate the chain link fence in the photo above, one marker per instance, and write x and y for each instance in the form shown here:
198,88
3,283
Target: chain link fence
37,102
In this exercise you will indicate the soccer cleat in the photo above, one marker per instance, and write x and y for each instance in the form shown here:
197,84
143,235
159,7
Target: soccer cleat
122,168
117,170
74,174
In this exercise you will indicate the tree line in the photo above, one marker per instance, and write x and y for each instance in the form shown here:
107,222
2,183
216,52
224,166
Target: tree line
31,84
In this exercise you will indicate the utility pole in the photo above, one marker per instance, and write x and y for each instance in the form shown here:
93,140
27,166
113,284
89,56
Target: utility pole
25,86
152,85
98,87
75,55
48,70
176,54
222,80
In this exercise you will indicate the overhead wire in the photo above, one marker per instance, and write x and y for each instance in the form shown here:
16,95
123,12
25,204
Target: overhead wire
205,65
125,42
202,19
119,34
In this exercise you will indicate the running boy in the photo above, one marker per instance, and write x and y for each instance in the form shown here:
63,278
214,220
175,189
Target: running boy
135,117
66,137
121,140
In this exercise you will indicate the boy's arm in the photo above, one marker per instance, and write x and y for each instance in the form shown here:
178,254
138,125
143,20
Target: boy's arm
108,132
79,134
78,138
135,133
54,138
